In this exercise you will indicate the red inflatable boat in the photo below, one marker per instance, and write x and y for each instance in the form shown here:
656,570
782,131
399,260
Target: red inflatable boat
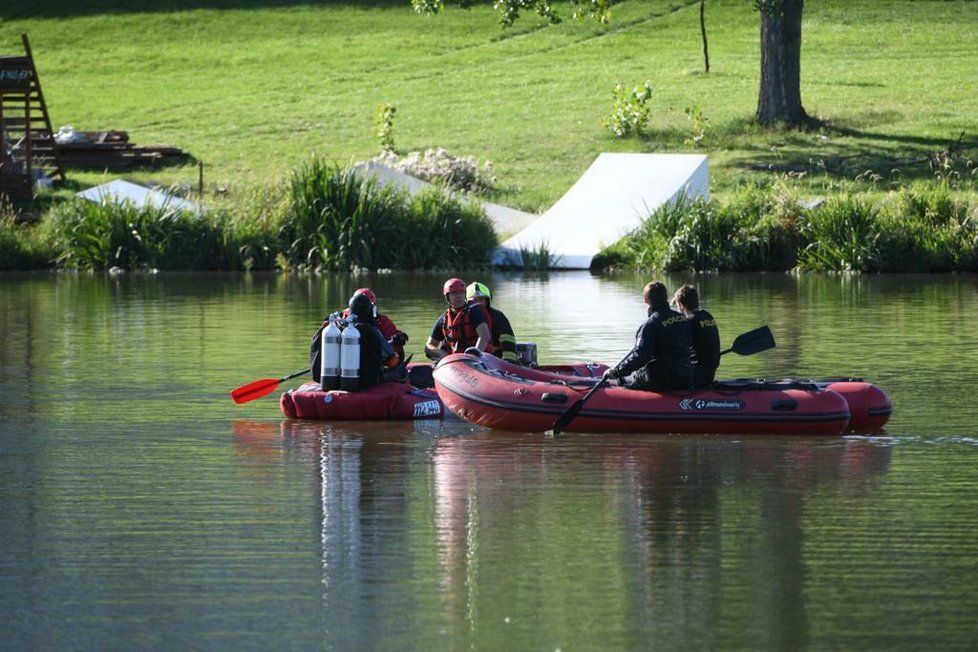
386,401
495,394
402,401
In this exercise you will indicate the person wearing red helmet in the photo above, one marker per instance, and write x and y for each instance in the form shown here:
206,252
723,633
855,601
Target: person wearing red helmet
395,336
462,325
379,363
660,359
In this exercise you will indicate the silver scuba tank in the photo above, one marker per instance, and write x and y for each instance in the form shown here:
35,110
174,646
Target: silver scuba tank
330,357
350,357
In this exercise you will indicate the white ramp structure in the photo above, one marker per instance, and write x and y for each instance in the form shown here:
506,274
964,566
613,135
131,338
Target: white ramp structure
504,219
608,202
120,192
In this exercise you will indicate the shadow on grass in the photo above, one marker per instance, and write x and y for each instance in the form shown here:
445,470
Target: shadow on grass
25,9
841,151
848,154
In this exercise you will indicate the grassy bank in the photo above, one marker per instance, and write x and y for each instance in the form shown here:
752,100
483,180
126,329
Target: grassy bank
252,88
773,229
326,218
330,219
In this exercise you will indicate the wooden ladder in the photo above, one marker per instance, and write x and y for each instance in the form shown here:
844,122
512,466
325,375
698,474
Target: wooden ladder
27,145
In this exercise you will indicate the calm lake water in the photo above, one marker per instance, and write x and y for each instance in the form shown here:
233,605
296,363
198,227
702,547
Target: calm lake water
141,509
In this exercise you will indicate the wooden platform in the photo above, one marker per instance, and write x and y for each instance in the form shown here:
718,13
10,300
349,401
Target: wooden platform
111,150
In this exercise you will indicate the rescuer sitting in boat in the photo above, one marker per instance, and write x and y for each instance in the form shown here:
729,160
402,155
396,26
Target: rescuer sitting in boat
705,354
464,324
356,357
503,338
391,333
660,359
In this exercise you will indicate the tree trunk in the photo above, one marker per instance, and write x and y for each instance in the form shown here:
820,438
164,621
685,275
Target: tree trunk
779,100
706,50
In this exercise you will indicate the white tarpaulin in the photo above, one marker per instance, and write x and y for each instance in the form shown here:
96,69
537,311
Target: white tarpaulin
120,191
607,203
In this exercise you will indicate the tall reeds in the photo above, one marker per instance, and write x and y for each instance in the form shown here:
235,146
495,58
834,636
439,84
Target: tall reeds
342,219
930,230
102,235
21,245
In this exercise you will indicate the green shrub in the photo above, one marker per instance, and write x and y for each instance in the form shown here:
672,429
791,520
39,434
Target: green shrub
90,235
630,110
385,126
21,246
926,230
843,236
338,219
768,236
443,231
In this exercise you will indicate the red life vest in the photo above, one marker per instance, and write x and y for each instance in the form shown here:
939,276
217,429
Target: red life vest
458,329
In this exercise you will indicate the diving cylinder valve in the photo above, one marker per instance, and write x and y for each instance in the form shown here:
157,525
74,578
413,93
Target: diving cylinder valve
329,377
350,358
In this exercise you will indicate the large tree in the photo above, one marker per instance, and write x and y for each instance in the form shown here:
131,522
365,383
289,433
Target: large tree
779,98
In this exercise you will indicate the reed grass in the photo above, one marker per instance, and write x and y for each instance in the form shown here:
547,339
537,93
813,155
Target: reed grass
21,246
339,219
102,235
768,228
445,231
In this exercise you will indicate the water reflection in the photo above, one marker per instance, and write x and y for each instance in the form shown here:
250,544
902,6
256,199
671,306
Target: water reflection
141,503
677,534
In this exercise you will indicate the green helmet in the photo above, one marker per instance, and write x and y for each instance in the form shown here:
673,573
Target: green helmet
478,290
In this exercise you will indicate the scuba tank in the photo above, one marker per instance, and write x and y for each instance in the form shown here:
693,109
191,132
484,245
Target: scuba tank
329,376
350,357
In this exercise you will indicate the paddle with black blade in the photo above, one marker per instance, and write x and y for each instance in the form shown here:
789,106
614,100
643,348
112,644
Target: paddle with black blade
259,388
749,343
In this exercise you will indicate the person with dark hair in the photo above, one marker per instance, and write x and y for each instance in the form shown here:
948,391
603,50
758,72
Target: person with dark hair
660,359
503,338
378,361
705,352
462,325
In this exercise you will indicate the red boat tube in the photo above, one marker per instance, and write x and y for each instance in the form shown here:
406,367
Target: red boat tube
869,405
477,390
386,401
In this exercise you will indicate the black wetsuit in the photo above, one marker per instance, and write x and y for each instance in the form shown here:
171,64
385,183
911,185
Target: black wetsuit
503,338
660,359
706,348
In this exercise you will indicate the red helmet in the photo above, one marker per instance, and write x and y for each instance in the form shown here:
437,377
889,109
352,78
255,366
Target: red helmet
368,293
454,285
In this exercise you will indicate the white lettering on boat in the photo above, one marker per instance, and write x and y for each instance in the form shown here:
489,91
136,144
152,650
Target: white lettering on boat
427,409
464,377
710,404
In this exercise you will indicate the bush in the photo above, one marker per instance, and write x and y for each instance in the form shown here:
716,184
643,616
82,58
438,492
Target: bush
442,231
630,110
926,231
338,219
89,235
756,230
843,236
21,246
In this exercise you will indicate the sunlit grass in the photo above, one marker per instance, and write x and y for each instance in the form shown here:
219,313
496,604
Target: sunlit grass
253,89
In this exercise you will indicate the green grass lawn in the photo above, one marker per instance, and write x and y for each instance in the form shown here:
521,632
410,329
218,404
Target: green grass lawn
253,88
